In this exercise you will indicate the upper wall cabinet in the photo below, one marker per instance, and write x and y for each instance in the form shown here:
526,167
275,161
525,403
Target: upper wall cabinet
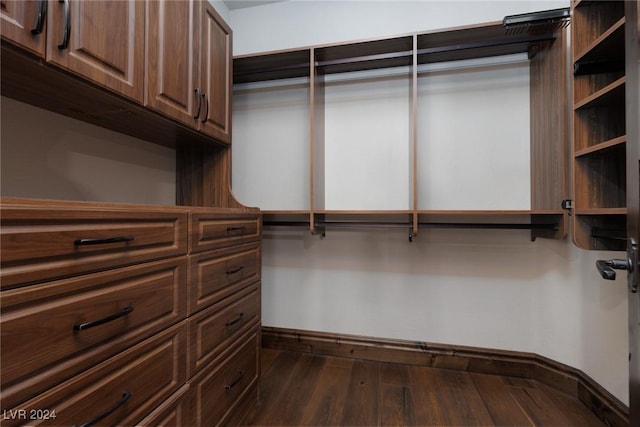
188,65
156,70
24,22
100,40
216,74
172,59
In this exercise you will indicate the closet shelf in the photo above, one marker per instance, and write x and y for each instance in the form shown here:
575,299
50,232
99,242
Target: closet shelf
609,46
612,93
601,211
438,46
405,54
602,147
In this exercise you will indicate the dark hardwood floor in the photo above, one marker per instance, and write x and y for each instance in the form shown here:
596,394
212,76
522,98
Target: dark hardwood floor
299,389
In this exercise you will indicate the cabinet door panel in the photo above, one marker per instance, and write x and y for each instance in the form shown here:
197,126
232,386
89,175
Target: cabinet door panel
19,17
172,60
106,42
216,74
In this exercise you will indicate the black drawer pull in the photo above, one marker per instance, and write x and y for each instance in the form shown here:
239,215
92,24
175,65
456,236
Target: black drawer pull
82,326
119,239
42,14
206,104
236,381
125,396
242,227
234,321
67,25
235,270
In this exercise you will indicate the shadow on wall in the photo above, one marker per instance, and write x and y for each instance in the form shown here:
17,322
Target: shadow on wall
505,254
46,155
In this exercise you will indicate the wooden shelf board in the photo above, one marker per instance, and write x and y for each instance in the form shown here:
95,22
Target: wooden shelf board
601,211
615,142
604,95
605,47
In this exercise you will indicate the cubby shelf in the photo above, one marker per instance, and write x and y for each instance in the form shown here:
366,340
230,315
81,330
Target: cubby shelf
599,124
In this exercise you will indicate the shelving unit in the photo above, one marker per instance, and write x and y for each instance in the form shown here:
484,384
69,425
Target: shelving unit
599,125
393,66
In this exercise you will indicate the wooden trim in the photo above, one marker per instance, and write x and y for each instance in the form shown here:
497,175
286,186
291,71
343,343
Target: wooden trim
461,358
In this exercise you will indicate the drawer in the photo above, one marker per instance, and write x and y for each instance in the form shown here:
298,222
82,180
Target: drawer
214,329
217,274
216,230
217,391
119,391
54,330
39,243
173,412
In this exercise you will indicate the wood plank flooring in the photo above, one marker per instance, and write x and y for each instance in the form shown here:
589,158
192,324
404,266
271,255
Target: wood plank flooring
298,389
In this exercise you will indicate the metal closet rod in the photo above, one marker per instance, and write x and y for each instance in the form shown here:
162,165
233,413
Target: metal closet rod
383,224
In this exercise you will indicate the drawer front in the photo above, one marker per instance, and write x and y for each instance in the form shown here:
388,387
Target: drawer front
217,391
214,329
215,275
120,391
69,325
173,412
39,244
214,231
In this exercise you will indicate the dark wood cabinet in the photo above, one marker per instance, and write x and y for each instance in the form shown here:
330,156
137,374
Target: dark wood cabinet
172,59
189,65
102,41
106,322
24,23
216,75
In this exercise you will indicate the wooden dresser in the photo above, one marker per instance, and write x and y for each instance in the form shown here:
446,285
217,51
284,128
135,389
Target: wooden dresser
128,314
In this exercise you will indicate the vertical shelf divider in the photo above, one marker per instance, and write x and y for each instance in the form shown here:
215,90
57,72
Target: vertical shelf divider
549,132
316,137
414,136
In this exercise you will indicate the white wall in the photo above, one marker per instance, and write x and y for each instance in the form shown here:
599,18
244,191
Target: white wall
47,155
481,288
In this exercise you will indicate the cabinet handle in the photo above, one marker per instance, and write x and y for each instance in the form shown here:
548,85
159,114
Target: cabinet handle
197,92
67,25
82,326
125,396
206,104
42,14
236,381
234,321
119,239
230,229
234,271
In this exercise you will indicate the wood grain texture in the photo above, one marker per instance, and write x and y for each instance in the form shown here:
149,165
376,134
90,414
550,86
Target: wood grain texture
18,19
302,389
106,43
521,368
549,128
216,74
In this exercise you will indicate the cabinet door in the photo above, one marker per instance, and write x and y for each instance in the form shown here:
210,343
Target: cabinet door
216,75
100,40
172,59
24,23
